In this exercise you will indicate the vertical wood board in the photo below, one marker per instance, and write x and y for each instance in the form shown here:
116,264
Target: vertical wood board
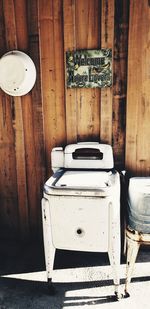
70,94
120,80
138,103
51,67
87,19
107,40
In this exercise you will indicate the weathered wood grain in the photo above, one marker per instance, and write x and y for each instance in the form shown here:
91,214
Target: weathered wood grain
120,80
138,102
52,74
8,178
37,110
87,37
10,161
69,26
107,40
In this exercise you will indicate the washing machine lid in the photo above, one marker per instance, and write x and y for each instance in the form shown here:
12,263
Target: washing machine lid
84,180
83,183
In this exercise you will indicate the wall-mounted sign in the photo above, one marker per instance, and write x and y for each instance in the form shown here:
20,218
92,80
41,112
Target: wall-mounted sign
89,68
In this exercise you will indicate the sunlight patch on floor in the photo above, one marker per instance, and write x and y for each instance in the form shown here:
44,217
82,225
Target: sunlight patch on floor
83,274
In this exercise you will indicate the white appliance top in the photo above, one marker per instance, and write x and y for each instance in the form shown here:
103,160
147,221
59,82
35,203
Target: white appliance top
91,155
84,179
83,183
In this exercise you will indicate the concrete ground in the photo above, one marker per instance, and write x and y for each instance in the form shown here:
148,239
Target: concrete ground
82,280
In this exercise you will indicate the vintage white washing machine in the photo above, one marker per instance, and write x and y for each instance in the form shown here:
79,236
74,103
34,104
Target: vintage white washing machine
81,204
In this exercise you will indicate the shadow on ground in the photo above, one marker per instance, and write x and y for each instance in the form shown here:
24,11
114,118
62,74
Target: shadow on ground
25,294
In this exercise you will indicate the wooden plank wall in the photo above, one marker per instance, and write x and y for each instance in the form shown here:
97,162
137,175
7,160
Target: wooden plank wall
52,115
138,107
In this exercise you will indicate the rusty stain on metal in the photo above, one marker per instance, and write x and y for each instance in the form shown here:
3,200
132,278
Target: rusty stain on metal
44,215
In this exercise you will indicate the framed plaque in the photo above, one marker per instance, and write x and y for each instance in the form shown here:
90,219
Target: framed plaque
89,68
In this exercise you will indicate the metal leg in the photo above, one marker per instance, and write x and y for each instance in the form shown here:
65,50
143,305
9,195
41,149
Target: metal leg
114,253
132,251
114,257
48,244
124,241
114,245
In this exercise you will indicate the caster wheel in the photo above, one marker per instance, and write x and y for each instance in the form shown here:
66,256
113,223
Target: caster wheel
51,288
126,294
